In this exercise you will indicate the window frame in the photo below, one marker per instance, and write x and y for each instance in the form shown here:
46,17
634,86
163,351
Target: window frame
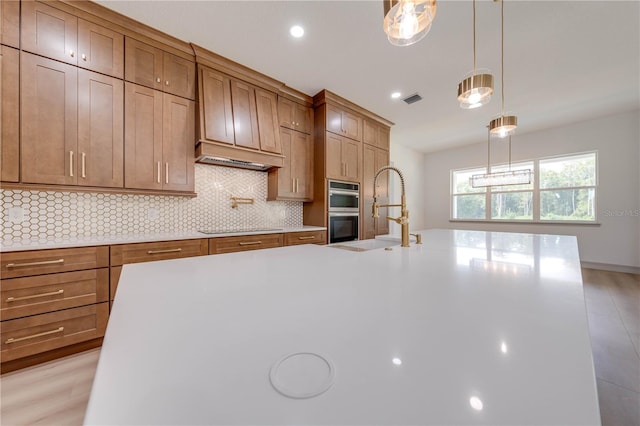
536,192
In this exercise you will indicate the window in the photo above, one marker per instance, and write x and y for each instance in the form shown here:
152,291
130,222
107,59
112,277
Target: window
562,189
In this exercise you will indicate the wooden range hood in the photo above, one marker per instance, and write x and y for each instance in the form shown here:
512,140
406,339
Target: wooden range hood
216,140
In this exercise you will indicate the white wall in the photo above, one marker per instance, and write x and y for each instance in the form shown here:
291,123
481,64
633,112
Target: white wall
616,138
411,164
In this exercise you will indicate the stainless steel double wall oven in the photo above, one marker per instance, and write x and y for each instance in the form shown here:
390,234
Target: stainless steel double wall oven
344,211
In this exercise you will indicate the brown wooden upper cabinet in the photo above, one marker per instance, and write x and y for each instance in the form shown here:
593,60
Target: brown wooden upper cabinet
159,140
344,123
295,116
58,35
10,23
71,125
342,158
9,114
235,112
373,159
152,67
375,134
293,181
214,108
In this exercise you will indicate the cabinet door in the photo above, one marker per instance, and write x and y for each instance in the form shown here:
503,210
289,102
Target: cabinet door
334,162
178,143
370,133
286,182
143,64
287,113
351,159
9,114
304,119
334,120
49,121
267,114
179,76
352,126
49,32
383,137
10,23
368,172
142,138
100,49
302,166
100,130
245,122
216,116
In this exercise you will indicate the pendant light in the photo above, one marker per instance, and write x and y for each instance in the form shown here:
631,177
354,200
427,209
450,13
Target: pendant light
408,21
476,90
505,124
509,177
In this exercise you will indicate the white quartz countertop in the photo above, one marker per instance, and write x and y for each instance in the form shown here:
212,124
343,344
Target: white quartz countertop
468,328
53,243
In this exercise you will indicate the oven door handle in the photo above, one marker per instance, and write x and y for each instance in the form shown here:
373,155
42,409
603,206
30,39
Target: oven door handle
333,214
351,193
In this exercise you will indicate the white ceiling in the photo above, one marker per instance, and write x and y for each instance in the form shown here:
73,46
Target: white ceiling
565,61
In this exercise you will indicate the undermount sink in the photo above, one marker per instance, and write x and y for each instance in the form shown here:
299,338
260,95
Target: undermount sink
366,245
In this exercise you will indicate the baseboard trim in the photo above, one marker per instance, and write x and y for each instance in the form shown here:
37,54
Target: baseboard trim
611,267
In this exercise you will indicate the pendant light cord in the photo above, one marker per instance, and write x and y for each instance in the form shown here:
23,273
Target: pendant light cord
474,37
488,150
509,152
502,51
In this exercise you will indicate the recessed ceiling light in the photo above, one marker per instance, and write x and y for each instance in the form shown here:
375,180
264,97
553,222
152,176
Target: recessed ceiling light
296,31
396,95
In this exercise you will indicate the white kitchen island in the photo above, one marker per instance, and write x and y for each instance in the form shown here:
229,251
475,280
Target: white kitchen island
467,328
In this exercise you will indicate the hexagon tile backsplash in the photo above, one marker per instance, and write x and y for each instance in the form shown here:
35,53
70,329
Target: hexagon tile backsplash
52,214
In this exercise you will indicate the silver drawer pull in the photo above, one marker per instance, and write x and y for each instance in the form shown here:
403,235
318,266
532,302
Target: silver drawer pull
34,296
250,243
44,262
312,237
175,250
33,336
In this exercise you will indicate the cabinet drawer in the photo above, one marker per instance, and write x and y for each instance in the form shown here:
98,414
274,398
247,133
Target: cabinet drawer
38,262
22,297
148,252
305,237
40,333
244,243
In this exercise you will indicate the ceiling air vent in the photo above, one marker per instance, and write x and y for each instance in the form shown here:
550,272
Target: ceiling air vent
412,99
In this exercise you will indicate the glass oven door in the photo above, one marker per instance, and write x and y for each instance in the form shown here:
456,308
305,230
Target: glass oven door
343,227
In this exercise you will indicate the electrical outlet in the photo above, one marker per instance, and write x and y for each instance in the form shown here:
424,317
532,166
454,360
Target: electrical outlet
16,214
152,213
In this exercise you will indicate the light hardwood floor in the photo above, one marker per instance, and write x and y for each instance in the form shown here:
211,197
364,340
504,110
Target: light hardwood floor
56,393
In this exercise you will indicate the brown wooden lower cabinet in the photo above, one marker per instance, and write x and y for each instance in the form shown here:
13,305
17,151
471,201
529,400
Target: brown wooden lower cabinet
40,333
148,252
222,245
305,237
40,294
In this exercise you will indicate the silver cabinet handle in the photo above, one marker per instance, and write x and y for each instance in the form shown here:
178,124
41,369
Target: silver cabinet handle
166,172
72,53
84,57
166,83
311,237
158,177
157,79
71,163
297,185
84,169
293,185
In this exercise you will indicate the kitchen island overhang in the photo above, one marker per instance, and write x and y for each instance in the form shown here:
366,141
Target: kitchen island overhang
470,327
